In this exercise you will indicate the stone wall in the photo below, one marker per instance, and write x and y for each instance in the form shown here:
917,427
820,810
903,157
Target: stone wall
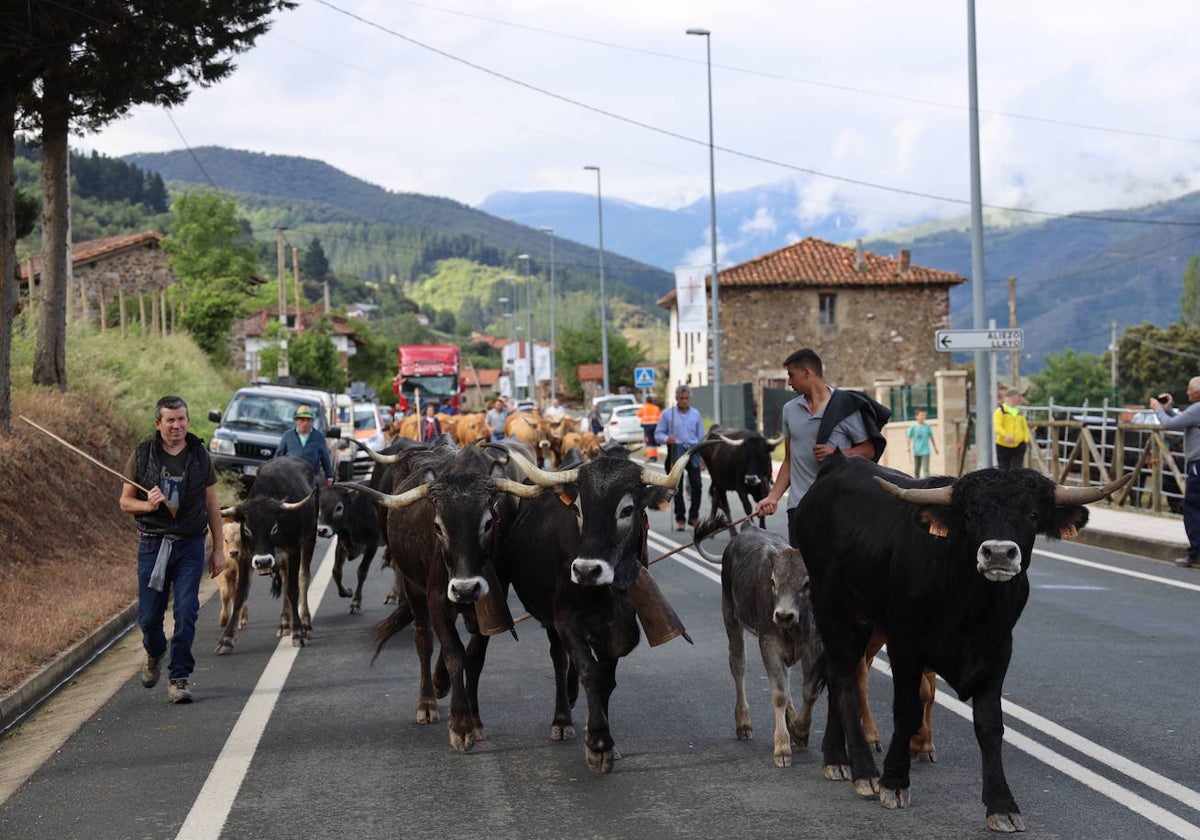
139,275
878,334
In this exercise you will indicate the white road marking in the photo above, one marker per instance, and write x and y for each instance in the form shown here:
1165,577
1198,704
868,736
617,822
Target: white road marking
1104,567
1123,796
215,800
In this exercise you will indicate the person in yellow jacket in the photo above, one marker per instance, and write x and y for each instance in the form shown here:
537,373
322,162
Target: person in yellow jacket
1012,432
649,415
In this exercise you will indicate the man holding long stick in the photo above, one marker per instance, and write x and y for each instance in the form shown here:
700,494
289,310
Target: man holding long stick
171,517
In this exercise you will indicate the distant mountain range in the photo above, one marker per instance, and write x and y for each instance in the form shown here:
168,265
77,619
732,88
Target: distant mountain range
1075,276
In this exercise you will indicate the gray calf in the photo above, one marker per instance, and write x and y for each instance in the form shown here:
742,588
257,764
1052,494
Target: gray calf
764,589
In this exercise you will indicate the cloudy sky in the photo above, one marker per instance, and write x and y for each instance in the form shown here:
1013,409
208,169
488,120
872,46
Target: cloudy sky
1085,104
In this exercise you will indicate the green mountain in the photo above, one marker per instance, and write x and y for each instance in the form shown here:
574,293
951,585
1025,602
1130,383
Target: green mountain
381,235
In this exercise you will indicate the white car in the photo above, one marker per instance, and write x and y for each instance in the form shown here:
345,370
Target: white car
623,426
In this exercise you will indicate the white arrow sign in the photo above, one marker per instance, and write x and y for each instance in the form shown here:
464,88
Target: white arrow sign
953,341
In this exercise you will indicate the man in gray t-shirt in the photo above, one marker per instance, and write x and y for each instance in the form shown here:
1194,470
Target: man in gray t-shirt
801,423
1187,421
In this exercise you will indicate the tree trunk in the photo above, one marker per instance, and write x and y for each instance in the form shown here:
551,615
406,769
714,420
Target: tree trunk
8,246
50,354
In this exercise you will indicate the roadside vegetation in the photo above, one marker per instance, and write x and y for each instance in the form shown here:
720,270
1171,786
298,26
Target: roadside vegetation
67,553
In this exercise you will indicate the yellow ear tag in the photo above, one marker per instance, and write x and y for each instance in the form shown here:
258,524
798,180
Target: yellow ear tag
1070,532
563,497
938,529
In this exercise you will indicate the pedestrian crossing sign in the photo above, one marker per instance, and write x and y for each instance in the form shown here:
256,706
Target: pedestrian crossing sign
643,377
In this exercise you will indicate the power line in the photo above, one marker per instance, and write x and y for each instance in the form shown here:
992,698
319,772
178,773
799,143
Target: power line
183,140
745,155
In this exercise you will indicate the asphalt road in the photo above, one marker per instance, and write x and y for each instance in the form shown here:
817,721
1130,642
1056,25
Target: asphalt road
320,742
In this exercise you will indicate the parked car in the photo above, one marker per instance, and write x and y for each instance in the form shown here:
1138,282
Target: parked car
250,428
623,425
368,428
607,402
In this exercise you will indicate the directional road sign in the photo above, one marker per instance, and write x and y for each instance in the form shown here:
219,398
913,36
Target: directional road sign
953,341
643,377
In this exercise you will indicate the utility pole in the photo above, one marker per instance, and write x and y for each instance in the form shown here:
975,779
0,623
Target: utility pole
1113,349
1014,355
281,369
296,277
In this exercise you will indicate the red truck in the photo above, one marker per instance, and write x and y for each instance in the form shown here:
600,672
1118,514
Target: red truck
434,369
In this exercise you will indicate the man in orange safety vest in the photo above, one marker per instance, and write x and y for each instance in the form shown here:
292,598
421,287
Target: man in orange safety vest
649,415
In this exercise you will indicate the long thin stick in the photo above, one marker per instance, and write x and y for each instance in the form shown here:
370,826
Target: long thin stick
79,451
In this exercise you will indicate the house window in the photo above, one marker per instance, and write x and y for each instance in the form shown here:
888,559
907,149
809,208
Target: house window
827,309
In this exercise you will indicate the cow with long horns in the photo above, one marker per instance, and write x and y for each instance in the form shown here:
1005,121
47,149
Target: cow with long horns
278,522
577,559
443,528
740,462
939,566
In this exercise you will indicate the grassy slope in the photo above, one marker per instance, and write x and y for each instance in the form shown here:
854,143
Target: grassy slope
67,553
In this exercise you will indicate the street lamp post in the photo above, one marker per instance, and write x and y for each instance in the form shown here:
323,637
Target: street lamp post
603,308
531,382
553,370
712,217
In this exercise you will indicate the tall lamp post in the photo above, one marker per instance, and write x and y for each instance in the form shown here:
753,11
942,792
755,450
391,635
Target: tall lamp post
553,370
531,382
712,218
603,308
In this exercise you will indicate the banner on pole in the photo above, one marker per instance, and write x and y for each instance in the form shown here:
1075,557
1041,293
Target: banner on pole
691,300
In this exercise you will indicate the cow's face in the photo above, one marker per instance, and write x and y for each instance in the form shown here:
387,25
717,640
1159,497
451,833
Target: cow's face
1001,512
758,466
612,502
466,508
789,587
334,509
270,528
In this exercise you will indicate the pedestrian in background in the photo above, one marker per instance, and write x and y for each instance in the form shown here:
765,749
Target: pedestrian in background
1188,422
431,429
920,439
182,502
680,427
496,417
307,443
1012,432
649,415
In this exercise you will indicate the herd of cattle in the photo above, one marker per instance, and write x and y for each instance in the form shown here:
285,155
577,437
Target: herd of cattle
934,566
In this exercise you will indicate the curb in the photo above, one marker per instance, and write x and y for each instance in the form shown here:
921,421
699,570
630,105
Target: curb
1130,544
16,705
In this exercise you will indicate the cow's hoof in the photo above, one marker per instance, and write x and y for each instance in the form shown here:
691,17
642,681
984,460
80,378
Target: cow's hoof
1005,823
926,755
836,772
461,741
800,739
242,624
894,800
299,641
600,762
223,647
427,714
391,599
745,733
783,759
478,733
868,786
562,731
875,744
355,606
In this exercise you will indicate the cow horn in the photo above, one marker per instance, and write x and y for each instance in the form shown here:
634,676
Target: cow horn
516,488
671,479
918,495
301,503
230,512
775,441
399,500
375,456
540,477
730,441
1086,495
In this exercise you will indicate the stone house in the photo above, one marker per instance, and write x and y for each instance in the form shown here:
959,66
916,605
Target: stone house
871,318
131,272
246,337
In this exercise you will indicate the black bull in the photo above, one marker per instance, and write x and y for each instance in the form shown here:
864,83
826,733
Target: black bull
938,566
278,521
738,460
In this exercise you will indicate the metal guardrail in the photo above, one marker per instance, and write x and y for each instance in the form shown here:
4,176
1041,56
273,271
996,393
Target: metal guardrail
1094,445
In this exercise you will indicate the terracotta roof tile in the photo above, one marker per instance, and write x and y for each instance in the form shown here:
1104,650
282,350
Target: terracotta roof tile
83,253
815,262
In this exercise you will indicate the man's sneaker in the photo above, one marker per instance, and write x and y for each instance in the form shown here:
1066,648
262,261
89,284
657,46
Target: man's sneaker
679,526
151,669
1187,563
177,692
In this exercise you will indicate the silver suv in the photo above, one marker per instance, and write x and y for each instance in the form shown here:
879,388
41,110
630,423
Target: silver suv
249,430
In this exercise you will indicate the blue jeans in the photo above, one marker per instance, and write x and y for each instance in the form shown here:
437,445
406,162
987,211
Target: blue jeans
1191,511
185,568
